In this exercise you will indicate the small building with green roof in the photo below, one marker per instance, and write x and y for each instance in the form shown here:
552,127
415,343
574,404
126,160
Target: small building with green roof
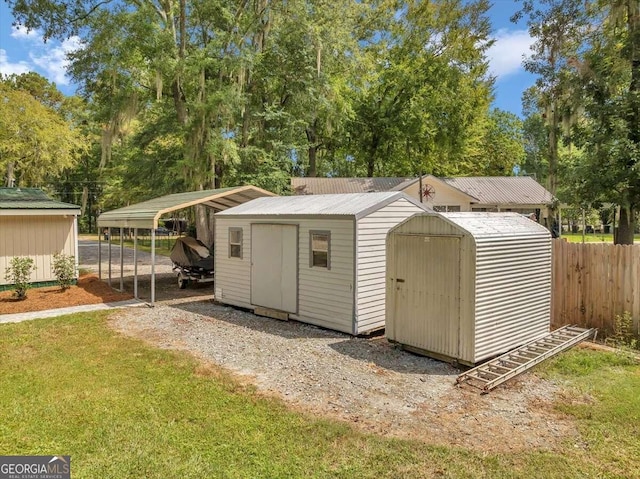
35,226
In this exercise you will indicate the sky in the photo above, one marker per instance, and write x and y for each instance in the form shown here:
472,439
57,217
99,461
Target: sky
22,51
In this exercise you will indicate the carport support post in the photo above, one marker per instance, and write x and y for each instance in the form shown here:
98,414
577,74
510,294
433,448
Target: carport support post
109,242
135,263
99,255
153,265
121,258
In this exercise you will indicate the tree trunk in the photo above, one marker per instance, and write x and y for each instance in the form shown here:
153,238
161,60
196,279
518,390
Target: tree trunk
312,138
204,229
553,150
204,223
179,102
371,160
626,226
85,198
10,178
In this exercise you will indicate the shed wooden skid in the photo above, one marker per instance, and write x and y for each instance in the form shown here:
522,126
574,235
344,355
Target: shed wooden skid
467,286
276,268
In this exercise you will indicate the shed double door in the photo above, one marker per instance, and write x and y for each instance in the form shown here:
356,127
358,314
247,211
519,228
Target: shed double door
274,266
427,296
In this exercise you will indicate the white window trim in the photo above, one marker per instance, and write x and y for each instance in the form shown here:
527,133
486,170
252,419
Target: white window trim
233,229
320,232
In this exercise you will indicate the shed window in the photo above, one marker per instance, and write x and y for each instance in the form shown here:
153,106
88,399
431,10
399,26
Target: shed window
320,246
235,243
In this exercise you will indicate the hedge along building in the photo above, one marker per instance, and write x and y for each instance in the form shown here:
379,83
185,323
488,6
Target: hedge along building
32,225
468,286
318,259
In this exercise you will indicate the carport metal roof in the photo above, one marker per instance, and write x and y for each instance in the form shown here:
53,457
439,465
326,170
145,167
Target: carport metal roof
147,213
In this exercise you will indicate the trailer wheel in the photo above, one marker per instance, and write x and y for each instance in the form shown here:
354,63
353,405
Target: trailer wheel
182,282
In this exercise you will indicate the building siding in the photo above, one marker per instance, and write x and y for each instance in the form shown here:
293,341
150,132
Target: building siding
513,292
36,237
325,297
445,195
371,261
505,288
232,275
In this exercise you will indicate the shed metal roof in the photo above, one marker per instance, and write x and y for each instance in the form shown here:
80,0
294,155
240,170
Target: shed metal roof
496,225
323,186
147,213
502,190
30,199
350,204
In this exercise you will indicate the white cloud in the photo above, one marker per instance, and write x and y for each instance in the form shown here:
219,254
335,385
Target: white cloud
49,59
53,59
508,51
21,33
8,68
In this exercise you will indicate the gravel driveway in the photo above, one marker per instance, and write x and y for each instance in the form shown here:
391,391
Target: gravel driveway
365,381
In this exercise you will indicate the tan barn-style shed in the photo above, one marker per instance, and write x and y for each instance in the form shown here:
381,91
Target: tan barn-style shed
35,226
318,259
467,286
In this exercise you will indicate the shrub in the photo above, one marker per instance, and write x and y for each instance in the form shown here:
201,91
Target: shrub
19,274
64,269
624,335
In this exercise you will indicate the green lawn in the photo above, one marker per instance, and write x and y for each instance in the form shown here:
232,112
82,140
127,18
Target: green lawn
123,409
593,238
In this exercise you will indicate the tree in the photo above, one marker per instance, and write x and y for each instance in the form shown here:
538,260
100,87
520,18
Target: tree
36,142
501,146
557,26
427,90
590,81
535,139
610,132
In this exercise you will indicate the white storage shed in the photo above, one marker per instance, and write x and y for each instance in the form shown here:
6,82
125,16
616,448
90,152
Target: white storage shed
318,259
465,287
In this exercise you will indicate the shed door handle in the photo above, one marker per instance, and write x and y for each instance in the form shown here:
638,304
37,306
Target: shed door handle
400,280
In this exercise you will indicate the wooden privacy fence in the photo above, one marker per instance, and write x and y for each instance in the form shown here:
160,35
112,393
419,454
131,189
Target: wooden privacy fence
594,282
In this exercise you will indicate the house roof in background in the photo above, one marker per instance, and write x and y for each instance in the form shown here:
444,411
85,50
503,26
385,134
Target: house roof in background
30,199
502,190
147,213
484,190
344,204
325,186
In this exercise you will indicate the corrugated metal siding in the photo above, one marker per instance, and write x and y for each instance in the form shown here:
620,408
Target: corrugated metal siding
146,213
325,297
505,281
513,292
348,204
36,237
371,261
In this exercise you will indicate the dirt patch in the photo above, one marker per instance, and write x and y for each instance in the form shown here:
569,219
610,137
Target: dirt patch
89,290
367,382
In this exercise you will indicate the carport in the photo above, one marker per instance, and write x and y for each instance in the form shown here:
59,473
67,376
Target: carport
145,215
